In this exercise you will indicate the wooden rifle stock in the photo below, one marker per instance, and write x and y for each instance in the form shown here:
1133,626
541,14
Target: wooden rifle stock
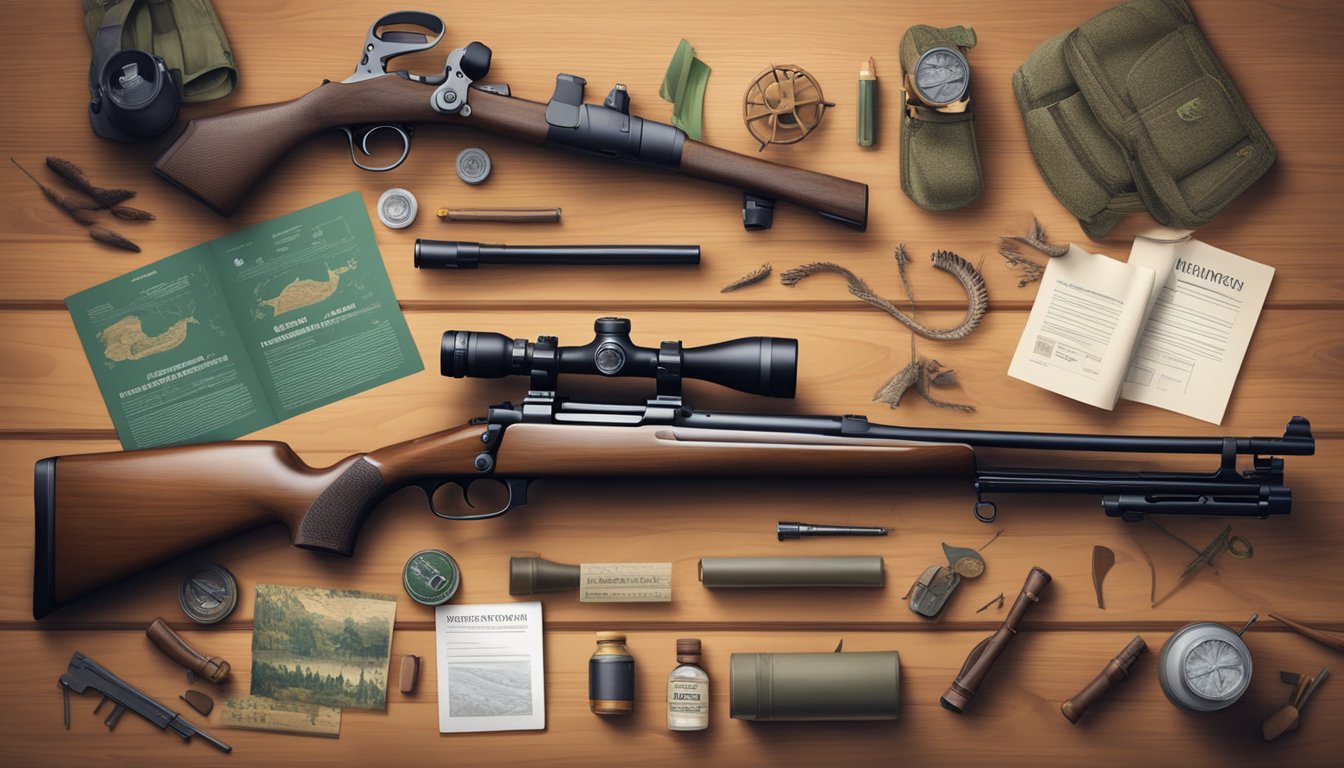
103,517
219,159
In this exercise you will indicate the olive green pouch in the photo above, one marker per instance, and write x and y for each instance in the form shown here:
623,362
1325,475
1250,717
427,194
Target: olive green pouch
1132,112
940,166
186,33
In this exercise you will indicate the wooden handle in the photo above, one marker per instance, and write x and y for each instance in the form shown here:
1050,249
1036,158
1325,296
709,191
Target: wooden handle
1116,670
832,197
218,159
212,668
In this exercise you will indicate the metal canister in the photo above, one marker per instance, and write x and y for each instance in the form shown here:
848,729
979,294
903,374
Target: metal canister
611,676
208,594
1205,667
431,577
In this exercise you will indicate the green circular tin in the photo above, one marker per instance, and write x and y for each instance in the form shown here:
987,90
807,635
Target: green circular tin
431,577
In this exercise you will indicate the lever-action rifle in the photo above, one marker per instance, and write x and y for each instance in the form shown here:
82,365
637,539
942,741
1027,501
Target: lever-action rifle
218,159
101,517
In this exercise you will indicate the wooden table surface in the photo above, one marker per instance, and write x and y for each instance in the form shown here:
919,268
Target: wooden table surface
1286,57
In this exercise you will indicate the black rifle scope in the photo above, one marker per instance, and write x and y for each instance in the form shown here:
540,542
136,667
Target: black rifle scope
760,365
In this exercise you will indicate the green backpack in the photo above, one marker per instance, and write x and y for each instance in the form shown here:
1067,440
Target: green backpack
1132,112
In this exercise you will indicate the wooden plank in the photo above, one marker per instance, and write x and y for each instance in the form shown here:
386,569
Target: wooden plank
681,521
49,257
844,356
1015,713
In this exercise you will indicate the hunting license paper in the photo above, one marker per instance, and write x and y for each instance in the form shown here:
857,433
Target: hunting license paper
491,676
1169,328
247,330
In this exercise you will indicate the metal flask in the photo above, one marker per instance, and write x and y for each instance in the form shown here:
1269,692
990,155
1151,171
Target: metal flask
1205,667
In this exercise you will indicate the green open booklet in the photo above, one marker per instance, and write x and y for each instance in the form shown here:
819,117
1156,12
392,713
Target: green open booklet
247,330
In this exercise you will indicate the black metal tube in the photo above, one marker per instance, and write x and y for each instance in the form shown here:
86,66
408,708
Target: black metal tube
858,427
447,254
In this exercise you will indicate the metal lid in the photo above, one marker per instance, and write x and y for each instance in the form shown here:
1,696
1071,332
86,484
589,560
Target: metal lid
208,594
611,637
397,208
1204,667
473,165
431,577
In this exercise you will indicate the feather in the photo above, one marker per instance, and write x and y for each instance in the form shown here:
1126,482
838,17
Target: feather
131,214
75,209
972,282
106,198
108,237
755,276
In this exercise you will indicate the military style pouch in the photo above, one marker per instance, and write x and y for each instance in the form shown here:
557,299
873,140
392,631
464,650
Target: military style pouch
815,686
186,33
940,166
1132,112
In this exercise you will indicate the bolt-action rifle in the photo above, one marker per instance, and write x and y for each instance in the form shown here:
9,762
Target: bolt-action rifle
218,159
101,517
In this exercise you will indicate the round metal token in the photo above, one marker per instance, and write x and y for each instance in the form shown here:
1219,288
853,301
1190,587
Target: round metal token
969,567
208,594
473,165
942,76
397,208
431,577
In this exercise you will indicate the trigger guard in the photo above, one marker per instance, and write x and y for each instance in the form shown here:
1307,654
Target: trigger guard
364,146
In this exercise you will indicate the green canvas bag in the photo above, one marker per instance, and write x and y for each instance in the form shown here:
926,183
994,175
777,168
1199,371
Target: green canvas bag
1132,112
186,33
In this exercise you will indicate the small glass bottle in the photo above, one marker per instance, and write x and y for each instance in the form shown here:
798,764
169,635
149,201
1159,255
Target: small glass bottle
611,676
688,690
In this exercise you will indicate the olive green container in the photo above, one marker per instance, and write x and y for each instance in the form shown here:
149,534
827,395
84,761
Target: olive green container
815,686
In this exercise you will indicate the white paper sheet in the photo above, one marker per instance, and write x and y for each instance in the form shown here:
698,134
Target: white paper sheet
1205,305
491,675
1083,327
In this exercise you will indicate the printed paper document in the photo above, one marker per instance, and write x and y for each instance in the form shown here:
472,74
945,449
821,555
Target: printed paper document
491,675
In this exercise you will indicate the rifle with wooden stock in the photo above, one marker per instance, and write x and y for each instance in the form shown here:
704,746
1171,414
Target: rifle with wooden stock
218,159
102,517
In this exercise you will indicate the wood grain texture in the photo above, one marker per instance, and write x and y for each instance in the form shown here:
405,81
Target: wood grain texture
49,404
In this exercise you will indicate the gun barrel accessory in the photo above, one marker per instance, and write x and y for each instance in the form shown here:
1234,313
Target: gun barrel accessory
448,254
983,655
85,673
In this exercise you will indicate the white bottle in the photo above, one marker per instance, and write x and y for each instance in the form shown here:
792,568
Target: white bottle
688,690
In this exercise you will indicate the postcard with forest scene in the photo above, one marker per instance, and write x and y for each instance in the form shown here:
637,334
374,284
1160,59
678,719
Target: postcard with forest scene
322,646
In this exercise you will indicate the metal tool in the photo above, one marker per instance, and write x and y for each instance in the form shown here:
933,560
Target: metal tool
85,673
797,530
447,254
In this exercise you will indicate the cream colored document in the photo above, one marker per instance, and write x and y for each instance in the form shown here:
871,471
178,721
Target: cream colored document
1083,328
1204,308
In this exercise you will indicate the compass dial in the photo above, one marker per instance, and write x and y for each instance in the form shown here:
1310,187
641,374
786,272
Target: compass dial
1215,670
942,76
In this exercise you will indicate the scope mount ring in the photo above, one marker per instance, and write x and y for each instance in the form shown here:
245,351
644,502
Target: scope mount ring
403,131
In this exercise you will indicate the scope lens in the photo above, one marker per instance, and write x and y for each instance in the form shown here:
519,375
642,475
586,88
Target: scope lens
479,355
760,365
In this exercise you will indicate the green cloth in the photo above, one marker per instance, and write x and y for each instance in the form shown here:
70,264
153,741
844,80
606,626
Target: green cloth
1132,112
940,165
684,86
186,33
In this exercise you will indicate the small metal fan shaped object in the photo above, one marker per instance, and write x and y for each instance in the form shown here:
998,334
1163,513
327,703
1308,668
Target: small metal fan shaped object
783,105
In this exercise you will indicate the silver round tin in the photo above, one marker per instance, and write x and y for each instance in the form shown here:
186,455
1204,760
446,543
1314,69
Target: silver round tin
1204,667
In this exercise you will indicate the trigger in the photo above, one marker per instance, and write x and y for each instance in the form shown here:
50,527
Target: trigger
517,492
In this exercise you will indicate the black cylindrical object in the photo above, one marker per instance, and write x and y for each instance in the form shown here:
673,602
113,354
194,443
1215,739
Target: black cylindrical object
761,365
451,254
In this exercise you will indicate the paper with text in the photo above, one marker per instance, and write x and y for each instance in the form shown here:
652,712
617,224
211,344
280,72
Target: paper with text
1204,308
1083,327
491,672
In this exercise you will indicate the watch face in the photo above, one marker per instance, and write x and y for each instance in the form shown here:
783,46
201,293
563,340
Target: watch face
942,76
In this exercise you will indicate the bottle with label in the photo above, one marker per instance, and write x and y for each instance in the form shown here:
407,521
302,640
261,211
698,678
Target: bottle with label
611,676
688,690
